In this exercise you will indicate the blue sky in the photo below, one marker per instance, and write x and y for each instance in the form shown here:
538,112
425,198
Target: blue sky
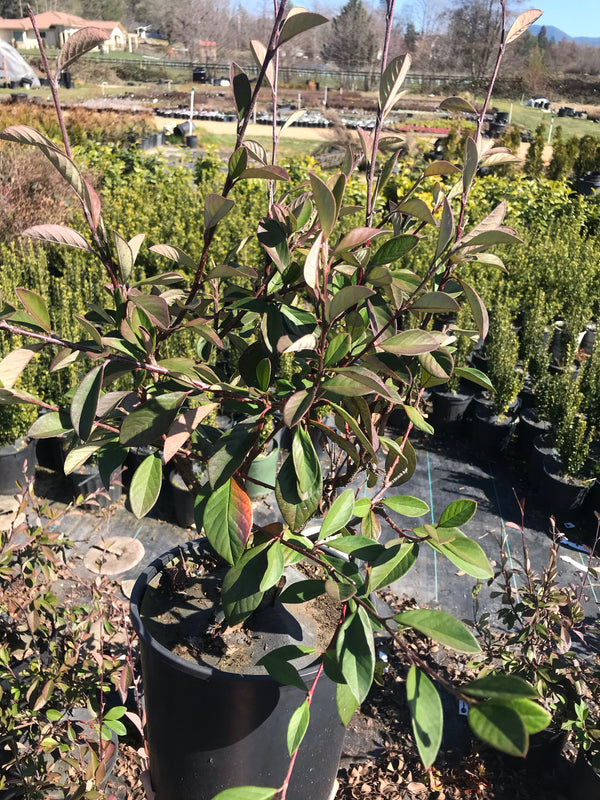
575,17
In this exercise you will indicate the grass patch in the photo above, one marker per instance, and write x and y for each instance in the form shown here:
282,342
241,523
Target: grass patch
289,147
532,117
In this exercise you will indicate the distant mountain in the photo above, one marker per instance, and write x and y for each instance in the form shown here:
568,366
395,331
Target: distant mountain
558,36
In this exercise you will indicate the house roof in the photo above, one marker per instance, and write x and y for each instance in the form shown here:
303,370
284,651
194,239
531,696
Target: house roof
50,19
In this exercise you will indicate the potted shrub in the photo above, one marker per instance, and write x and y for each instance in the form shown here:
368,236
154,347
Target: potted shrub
495,419
341,298
450,400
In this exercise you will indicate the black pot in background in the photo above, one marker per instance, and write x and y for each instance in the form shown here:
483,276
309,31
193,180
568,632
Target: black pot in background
182,499
559,493
481,404
543,445
448,407
208,730
584,781
491,435
527,397
530,426
12,464
86,479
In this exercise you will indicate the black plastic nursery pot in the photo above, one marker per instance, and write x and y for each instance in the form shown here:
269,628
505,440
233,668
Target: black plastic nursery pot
449,407
209,729
87,479
530,427
561,493
182,499
543,446
491,435
12,464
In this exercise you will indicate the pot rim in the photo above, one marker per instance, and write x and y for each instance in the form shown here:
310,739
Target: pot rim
202,671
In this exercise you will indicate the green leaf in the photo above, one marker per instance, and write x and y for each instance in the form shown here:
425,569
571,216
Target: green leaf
498,686
55,423
362,547
247,793
302,591
325,204
357,236
391,82
124,255
396,560
296,512
475,376
356,653
457,104
296,406
478,309
174,253
346,702
228,521
215,208
440,168
370,526
242,91
297,727
338,515
471,162
362,506
439,363
78,456
339,591
238,162
155,307
345,298
306,464
426,713
35,306
58,234
406,505
418,420
145,485
522,23
457,513
466,554
298,21
275,566
240,593
447,229
230,452
394,249
410,343
269,172
441,627
532,715
85,402
499,726
13,364
433,302
337,349
151,420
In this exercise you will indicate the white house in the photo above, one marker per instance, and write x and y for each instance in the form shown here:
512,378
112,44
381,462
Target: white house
56,27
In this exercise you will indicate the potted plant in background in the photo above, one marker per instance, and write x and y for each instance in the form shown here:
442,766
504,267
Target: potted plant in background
450,400
495,419
337,294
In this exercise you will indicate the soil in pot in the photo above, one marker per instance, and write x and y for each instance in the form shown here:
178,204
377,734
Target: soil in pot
214,719
12,464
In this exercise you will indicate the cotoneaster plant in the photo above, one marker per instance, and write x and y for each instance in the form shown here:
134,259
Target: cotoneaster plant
354,317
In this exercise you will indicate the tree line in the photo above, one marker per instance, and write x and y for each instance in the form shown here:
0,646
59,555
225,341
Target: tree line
443,36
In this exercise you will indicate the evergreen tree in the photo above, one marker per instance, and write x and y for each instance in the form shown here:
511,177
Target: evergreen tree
534,162
352,41
410,37
542,38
